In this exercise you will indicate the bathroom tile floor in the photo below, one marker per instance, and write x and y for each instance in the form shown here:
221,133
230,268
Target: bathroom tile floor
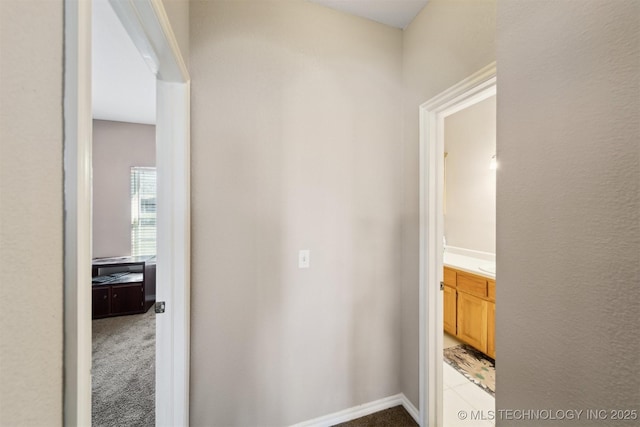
464,403
450,341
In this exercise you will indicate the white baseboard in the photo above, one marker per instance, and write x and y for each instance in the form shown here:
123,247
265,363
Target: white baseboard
415,414
361,411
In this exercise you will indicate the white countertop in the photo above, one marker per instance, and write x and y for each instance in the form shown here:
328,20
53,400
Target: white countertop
480,263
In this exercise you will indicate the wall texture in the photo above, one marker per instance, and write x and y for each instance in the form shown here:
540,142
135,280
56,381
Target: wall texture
470,141
31,213
296,130
447,42
117,146
568,206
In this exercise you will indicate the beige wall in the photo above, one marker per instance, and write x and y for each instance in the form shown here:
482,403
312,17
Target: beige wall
447,42
31,213
117,146
295,145
568,206
470,141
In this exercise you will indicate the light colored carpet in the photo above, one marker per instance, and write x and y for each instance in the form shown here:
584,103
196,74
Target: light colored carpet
123,382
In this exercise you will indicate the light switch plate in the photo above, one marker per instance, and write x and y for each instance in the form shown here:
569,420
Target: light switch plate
304,258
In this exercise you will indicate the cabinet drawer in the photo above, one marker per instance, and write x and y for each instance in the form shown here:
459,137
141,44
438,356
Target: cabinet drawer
449,277
472,285
491,290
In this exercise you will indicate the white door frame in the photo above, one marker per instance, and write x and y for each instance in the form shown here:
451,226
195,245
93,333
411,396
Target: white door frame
472,90
148,25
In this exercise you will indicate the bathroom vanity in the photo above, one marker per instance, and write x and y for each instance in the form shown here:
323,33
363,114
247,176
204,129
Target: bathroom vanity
470,306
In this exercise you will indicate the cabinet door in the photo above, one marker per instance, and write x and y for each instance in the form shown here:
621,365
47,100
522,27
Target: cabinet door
127,299
491,329
100,302
472,321
450,308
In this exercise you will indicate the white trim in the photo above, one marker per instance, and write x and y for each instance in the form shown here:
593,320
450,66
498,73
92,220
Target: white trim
412,410
77,218
361,411
148,25
173,273
179,72
479,86
148,20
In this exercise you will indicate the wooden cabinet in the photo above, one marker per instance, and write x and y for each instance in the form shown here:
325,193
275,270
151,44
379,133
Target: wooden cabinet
472,285
127,298
101,302
491,329
450,310
491,290
450,277
124,285
472,321
469,309
450,298
117,299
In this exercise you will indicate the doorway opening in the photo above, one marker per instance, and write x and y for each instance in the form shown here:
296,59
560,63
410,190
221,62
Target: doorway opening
146,22
474,89
469,263
124,225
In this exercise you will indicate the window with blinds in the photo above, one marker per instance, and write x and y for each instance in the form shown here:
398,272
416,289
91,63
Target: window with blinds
143,211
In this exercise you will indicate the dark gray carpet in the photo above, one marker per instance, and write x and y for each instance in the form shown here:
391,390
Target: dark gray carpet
123,381
392,417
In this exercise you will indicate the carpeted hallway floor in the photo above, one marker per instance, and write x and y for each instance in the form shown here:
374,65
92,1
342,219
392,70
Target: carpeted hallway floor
123,372
392,417
123,382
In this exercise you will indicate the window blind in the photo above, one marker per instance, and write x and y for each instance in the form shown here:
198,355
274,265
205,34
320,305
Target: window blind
143,211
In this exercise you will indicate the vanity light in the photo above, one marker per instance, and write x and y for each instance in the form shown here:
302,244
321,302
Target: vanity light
493,165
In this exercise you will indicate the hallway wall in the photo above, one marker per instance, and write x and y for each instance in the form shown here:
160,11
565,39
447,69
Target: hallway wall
31,233
568,207
296,130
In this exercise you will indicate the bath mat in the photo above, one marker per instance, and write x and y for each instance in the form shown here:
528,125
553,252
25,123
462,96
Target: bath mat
474,365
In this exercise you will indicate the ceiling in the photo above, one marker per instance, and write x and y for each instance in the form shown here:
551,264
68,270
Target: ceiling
124,88
395,13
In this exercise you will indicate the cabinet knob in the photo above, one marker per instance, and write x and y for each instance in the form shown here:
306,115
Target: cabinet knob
115,295
104,297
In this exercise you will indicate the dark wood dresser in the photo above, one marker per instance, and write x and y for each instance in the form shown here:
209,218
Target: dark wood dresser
123,285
